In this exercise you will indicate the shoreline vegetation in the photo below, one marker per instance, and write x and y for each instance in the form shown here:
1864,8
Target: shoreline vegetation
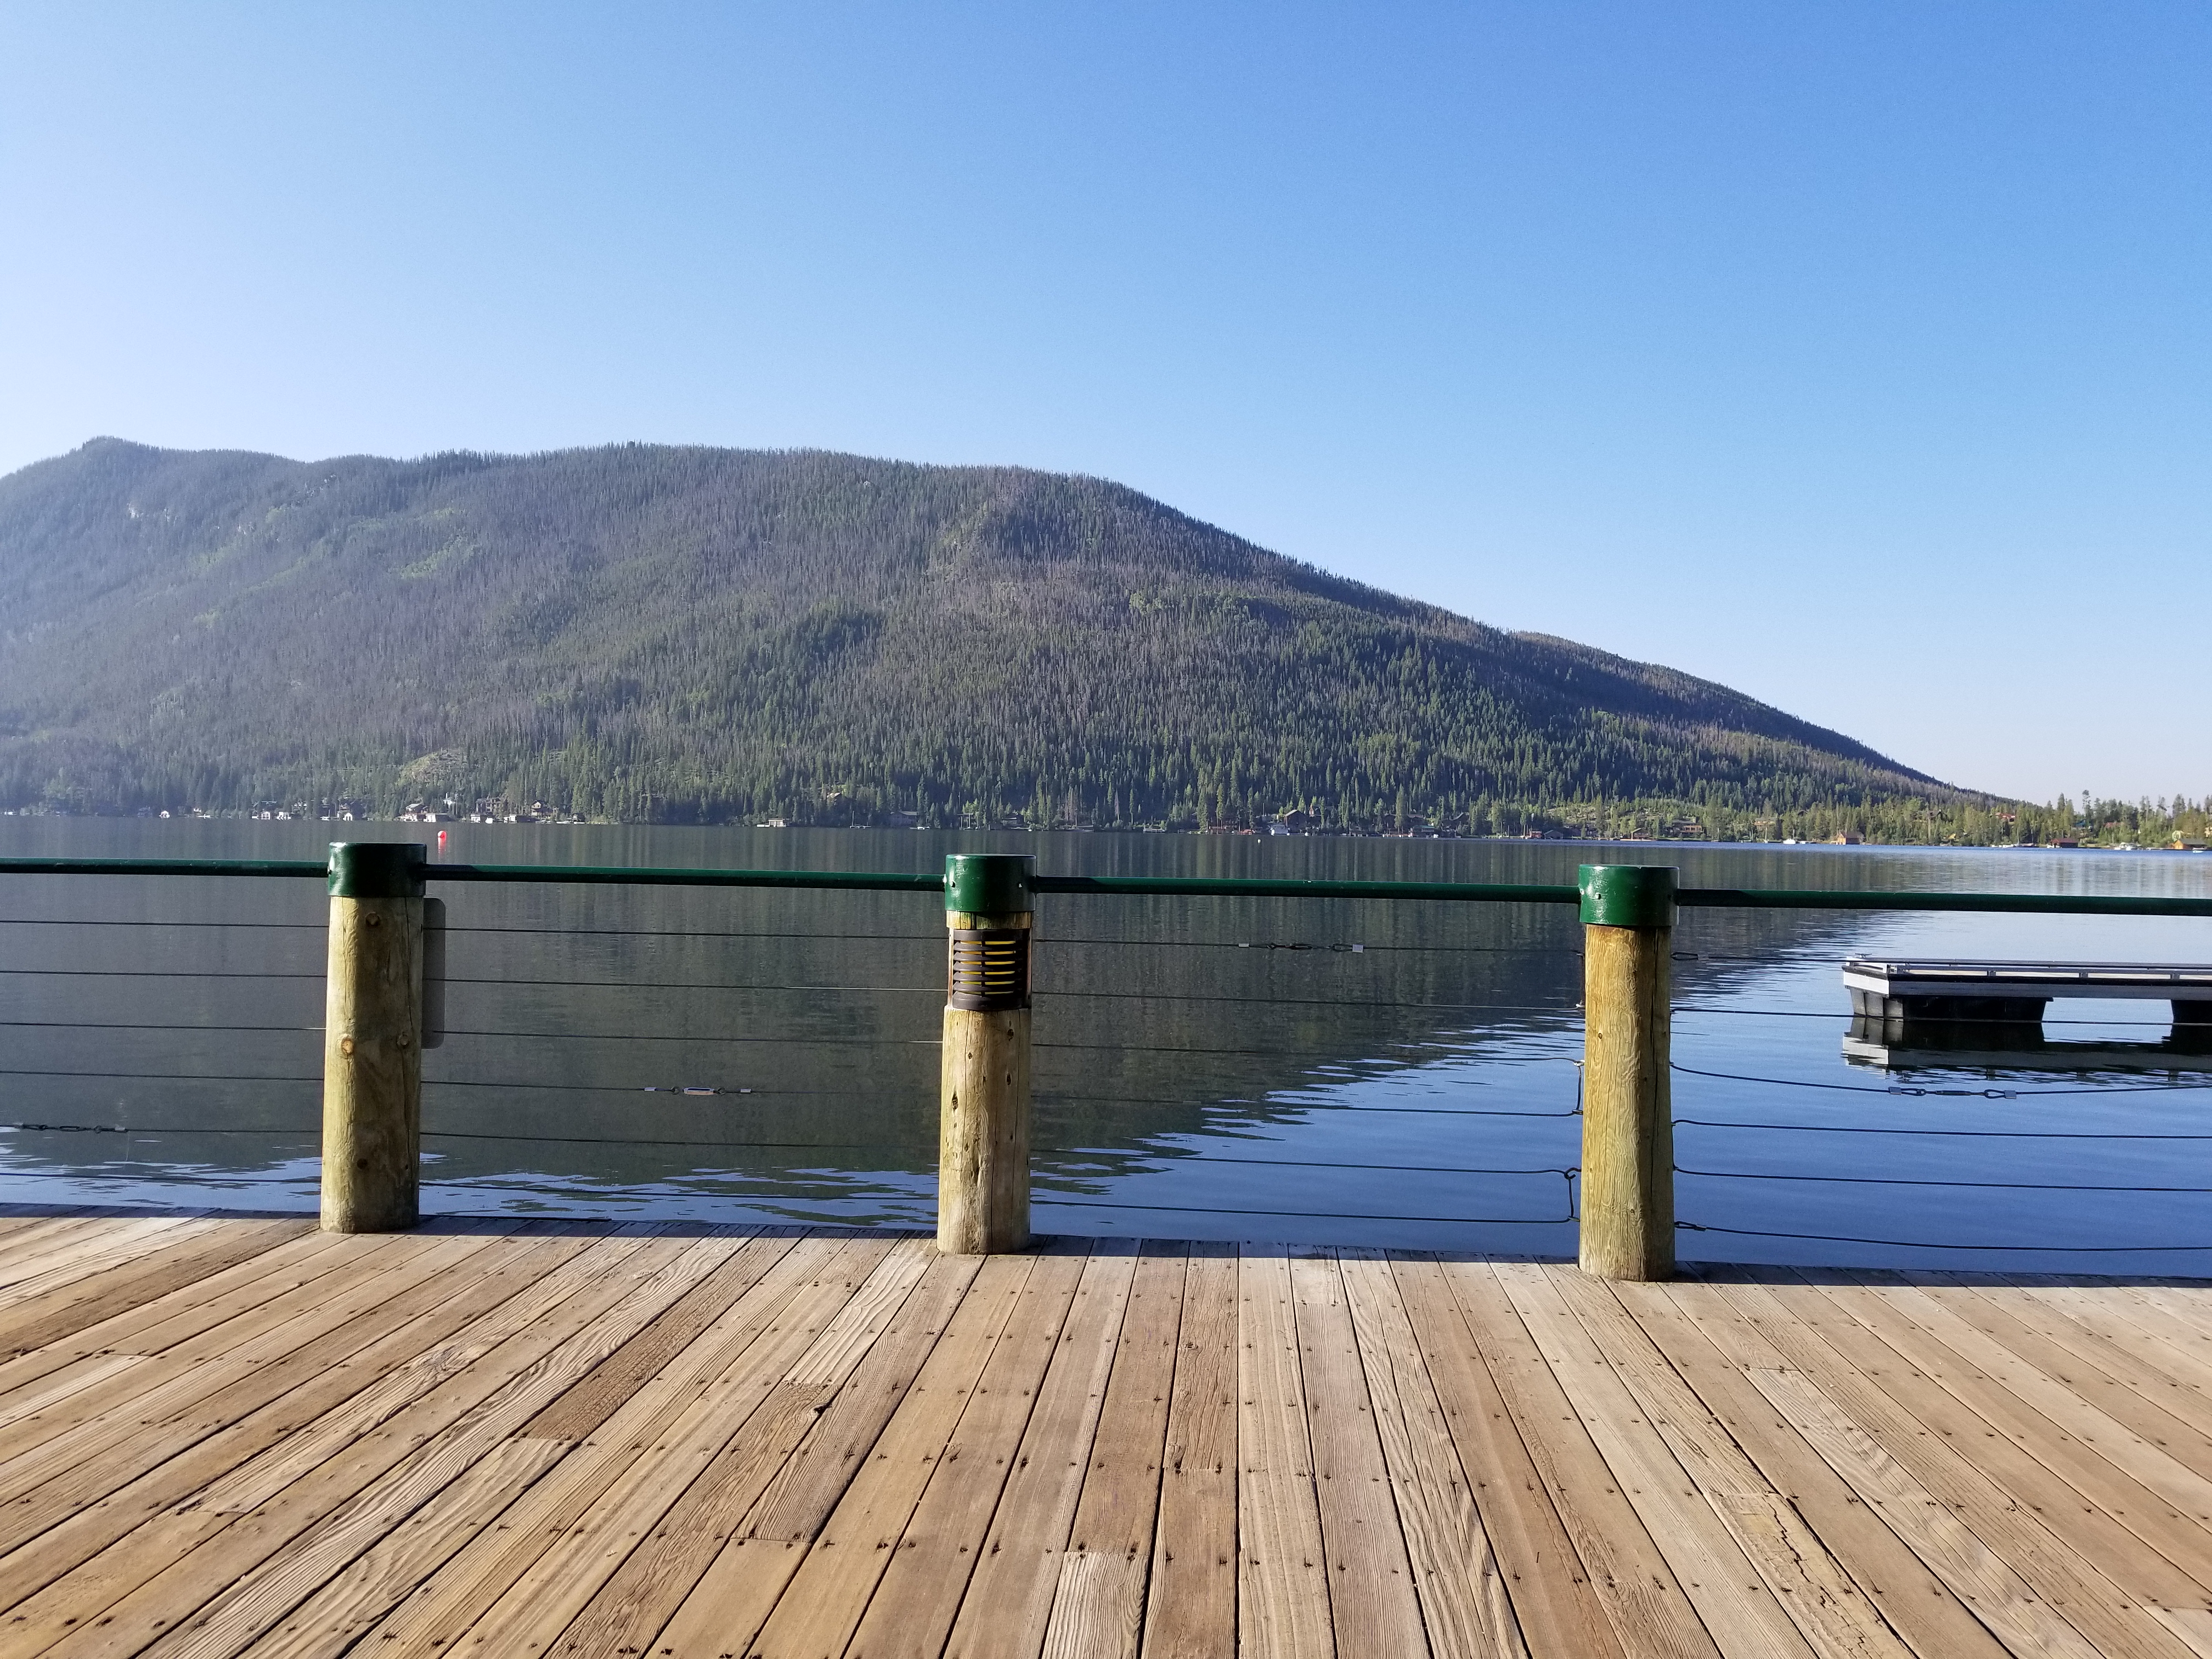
2176,824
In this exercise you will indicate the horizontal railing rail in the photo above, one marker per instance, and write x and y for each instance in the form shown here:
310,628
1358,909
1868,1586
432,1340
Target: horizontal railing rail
1690,898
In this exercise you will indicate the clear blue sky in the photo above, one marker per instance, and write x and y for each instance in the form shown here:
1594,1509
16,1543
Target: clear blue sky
1854,355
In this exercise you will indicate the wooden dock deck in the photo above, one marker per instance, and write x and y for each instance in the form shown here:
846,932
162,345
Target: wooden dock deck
226,1436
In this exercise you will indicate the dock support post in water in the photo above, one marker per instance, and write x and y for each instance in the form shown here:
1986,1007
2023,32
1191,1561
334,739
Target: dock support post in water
983,1103
373,1039
1628,1127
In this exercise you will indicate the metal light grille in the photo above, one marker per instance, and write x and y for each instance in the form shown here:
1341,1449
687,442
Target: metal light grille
989,967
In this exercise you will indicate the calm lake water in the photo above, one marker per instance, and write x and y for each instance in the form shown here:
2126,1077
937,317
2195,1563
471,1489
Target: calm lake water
1310,1071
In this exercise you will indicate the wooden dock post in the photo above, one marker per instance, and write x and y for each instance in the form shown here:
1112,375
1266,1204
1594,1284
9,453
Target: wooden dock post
373,1039
983,1103
1628,1124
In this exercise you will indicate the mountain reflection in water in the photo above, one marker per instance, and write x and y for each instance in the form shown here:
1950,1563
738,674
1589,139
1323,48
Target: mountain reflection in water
1352,1072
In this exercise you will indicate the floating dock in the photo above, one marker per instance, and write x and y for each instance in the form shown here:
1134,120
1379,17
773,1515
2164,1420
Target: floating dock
500,1438
2018,992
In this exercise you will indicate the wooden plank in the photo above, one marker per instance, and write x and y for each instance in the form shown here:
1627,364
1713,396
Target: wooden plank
1931,1520
867,1358
165,1572
2157,1405
1553,1600
583,1408
75,1517
263,1584
2192,1625
177,1359
1837,1406
1191,1605
1465,1605
737,1575
1371,1596
2136,1487
183,1313
325,1623
36,1399
1910,1367
556,1545
79,1264
1808,1581
17,1230
27,1324
2151,1339
59,1234
827,1596
1740,1610
2177,1310
911,1614
1628,1572
558,1586
1098,1606
1282,1581
151,1408
1008,1604
61,1256
774,1323
1915,1602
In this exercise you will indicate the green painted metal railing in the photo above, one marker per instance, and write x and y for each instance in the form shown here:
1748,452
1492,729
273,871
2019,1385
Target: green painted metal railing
1730,898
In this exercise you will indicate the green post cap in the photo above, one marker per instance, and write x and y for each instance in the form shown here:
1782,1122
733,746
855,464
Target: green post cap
987,884
1628,895
376,869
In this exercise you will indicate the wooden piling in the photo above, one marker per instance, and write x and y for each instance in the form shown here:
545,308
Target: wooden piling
373,1039
1628,1129
983,1103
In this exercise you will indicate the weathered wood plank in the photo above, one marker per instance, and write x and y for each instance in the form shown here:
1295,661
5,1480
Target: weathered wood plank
786,1314
1098,1608
821,1608
1891,1457
1740,1609
1371,1596
2110,1374
1464,1603
1915,1600
912,1611
75,1516
717,1527
1553,1600
264,1586
1282,1581
32,1323
1191,1603
1629,1572
169,1568
1010,1594
560,1444
1808,1582
2135,1489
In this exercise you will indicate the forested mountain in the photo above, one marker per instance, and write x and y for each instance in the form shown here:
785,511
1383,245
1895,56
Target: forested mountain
687,634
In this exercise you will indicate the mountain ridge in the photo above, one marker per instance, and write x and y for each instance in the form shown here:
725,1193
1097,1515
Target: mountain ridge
682,633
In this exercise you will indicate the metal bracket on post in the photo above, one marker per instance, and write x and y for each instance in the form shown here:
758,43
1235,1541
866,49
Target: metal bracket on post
983,1103
1628,1127
373,1036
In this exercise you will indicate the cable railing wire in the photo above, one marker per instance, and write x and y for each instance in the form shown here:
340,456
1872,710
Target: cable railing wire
1971,1134
1926,1244
1917,1090
1921,1180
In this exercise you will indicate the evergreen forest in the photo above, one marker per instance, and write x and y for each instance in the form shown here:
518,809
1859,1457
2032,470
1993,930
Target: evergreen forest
643,633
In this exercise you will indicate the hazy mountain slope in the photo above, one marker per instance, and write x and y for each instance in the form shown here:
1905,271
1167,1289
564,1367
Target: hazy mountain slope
643,631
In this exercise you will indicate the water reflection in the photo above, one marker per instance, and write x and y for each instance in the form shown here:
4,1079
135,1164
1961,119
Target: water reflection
1342,1071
